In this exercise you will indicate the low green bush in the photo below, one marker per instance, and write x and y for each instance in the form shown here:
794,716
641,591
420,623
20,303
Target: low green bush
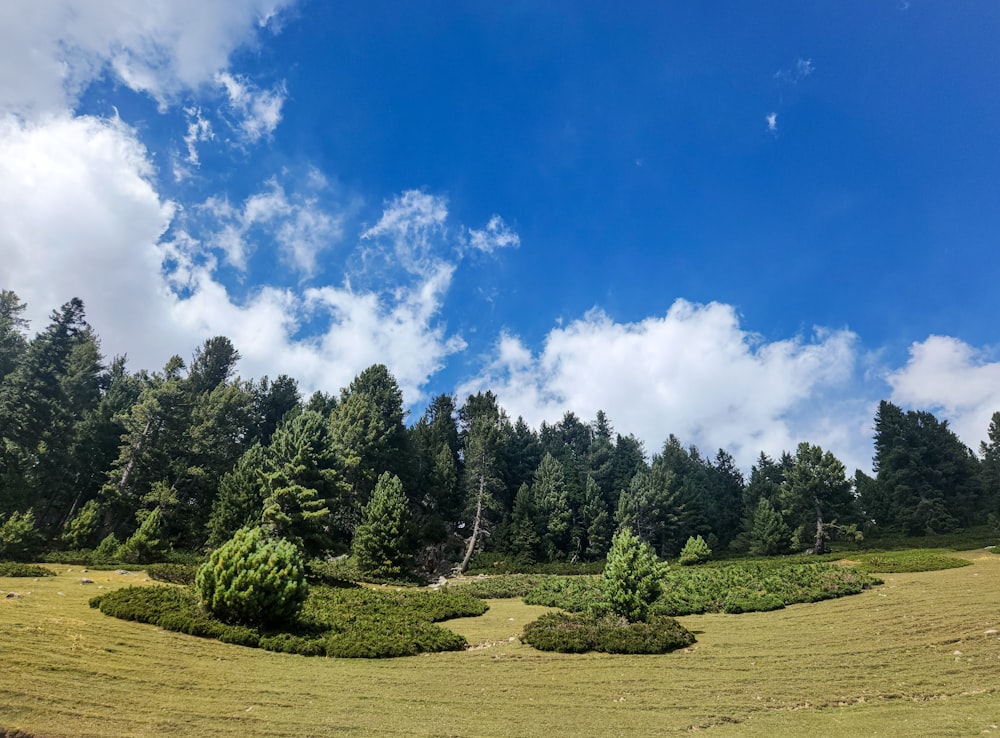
502,587
735,587
343,622
12,569
173,573
579,633
491,563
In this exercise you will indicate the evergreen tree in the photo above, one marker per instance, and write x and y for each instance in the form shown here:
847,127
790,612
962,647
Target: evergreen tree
928,480
633,575
524,541
485,432
367,435
240,501
815,494
769,535
380,541
552,500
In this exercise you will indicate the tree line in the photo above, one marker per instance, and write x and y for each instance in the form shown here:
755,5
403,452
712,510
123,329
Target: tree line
142,463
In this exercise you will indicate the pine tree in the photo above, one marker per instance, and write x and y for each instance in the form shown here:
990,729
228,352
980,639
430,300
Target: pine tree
633,575
769,535
380,541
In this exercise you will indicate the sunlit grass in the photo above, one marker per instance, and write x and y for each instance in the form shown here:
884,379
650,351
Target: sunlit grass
914,656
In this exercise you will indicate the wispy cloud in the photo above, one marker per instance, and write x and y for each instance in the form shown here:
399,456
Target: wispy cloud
772,122
258,112
496,235
795,73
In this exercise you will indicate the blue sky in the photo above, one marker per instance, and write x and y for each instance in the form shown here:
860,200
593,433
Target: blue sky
742,225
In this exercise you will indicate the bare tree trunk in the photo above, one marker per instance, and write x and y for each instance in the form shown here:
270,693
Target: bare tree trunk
820,546
476,525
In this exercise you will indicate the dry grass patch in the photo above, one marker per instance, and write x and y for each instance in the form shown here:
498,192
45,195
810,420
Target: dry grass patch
880,663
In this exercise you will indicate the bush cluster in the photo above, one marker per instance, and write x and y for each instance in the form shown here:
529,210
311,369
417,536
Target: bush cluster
491,562
11,569
502,587
578,633
173,573
732,588
342,622
253,579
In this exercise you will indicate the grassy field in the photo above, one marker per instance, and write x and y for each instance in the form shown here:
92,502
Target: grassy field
915,656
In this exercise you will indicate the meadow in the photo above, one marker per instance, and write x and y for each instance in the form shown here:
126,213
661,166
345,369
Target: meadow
917,655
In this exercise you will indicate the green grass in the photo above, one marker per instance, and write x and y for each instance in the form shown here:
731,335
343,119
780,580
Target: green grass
911,657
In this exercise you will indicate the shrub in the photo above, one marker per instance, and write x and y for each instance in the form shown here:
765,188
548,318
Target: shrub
579,633
695,551
146,544
19,538
355,623
80,531
173,573
632,576
253,580
9,569
107,549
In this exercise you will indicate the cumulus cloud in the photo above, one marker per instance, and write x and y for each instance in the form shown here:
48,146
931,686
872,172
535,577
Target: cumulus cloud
153,297
952,379
496,235
81,218
50,52
693,372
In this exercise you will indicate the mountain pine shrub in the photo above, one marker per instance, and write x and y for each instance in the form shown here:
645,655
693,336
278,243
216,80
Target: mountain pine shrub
253,580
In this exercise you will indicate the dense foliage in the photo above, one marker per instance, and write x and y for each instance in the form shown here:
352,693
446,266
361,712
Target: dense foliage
10,569
578,633
733,588
343,622
253,579
632,577
136,466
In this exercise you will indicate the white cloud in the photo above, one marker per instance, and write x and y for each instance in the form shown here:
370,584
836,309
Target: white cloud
81,218
50,51
258,111
772,122
153,298
412,229
952,379
693,372
296,222
496,235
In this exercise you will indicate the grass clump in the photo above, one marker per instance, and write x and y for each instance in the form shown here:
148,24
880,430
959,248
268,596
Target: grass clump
582,632
14,569
342,622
